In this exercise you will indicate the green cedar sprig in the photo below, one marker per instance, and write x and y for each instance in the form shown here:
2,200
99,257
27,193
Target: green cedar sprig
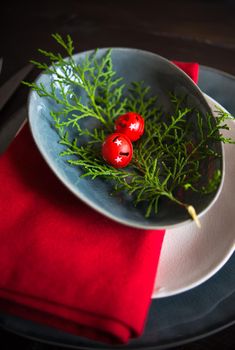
170,155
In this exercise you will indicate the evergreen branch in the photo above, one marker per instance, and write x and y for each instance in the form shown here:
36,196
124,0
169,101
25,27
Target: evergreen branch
173,151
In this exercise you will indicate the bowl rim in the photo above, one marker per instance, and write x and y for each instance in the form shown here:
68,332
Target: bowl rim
83,198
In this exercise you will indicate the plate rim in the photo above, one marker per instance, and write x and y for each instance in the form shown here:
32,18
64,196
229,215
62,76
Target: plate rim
160,295
151,347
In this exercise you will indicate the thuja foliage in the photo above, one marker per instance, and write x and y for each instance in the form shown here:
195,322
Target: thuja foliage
171,156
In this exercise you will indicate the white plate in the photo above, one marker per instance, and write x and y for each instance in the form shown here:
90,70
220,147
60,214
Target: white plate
190,256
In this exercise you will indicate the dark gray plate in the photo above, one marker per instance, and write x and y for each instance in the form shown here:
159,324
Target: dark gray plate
173,320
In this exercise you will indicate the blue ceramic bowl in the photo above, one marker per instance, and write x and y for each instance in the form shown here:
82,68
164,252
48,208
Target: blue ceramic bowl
162,76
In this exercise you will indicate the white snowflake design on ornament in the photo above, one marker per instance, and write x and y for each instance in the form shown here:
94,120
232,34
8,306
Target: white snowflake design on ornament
118,159
118,142
133,126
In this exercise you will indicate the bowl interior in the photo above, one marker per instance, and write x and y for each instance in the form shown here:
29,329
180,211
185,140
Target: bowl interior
162,77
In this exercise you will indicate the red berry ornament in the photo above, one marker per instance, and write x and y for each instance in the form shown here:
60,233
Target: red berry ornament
130,124
117,150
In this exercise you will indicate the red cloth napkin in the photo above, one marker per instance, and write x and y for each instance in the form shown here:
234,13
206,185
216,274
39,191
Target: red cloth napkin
65,265
190,68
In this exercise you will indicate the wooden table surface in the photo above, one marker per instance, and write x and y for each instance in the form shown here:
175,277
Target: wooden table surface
202,31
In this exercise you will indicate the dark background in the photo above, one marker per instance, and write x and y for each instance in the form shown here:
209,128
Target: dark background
187,30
